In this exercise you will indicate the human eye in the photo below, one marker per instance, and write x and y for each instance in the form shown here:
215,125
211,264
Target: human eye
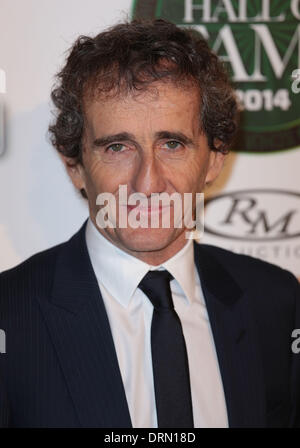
115,147
173,144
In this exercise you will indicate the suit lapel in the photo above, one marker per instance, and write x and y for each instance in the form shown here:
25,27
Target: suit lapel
235,337
79,327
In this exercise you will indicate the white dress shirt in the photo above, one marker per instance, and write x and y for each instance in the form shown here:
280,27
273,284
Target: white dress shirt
130,312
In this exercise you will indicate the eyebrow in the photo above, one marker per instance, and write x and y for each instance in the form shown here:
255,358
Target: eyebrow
122,136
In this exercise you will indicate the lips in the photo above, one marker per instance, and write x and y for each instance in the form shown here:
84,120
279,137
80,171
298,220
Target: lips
146,209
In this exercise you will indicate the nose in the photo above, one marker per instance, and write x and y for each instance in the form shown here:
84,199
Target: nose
148,175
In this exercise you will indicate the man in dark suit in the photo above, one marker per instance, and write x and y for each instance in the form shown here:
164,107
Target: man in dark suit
137,326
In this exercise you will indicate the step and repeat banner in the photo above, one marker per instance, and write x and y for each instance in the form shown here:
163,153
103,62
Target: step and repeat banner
254,206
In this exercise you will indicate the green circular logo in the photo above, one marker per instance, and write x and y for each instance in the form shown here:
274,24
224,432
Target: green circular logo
259,41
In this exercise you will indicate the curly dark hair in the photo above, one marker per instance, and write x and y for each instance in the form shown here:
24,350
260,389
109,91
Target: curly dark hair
128,57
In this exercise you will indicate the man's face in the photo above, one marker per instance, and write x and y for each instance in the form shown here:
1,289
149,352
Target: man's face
161,149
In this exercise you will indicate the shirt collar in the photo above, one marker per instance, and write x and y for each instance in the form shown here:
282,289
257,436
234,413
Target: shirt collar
120,273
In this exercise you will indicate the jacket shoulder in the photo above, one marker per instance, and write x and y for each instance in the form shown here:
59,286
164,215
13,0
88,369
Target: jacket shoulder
245,268
32,275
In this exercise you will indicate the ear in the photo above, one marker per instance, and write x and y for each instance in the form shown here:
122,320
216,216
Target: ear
75,171
216,162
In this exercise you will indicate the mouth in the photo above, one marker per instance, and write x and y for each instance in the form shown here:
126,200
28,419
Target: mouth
147,210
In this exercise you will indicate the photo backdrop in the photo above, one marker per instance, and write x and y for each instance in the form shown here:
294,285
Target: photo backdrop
253,208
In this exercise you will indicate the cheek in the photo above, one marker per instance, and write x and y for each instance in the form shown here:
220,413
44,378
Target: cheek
191,177
102,177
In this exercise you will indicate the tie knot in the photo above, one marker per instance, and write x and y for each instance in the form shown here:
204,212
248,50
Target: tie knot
156,286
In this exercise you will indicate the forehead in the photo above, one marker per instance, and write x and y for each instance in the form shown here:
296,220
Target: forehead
163,104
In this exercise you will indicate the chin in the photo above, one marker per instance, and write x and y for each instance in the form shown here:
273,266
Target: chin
146,240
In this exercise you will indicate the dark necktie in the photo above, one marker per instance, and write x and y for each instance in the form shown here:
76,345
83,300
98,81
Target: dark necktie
169,356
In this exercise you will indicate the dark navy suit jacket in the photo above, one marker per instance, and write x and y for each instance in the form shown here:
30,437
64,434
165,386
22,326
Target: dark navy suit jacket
60,368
